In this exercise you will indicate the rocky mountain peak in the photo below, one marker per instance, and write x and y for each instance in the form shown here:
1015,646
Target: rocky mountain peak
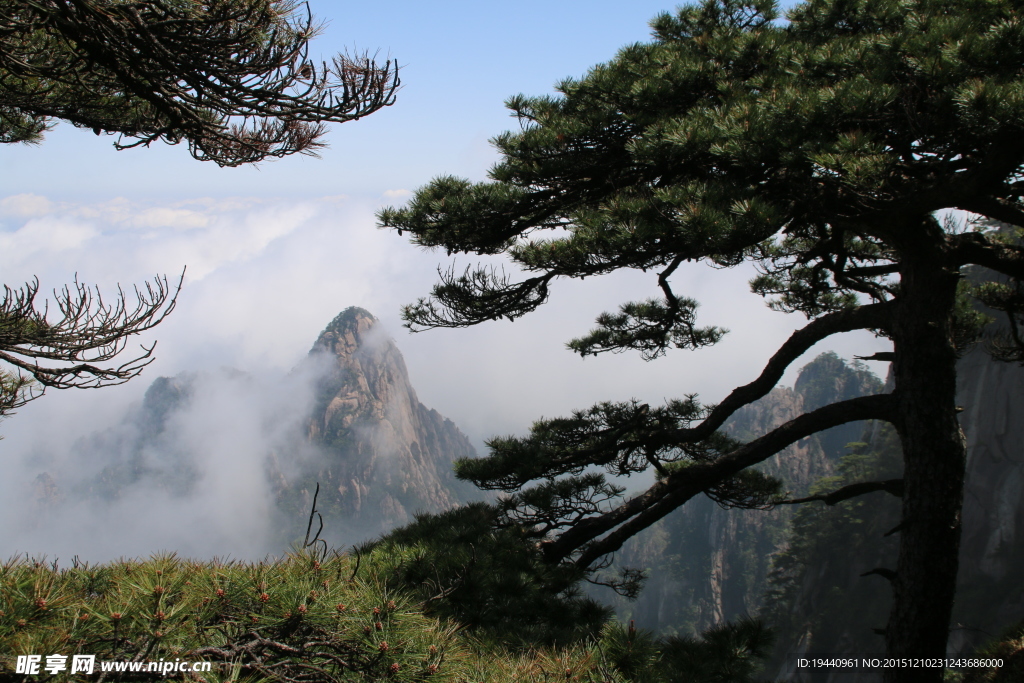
344,335
387,455
364,379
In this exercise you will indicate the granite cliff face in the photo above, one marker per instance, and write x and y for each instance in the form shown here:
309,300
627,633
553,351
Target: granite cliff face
709,565
991,580
832,608
386,456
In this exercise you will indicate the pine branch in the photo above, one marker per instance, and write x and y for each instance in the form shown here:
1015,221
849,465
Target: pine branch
665,496
232,78
977,249
891,486
872,316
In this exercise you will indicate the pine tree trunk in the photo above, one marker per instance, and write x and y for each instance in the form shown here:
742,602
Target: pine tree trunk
934,455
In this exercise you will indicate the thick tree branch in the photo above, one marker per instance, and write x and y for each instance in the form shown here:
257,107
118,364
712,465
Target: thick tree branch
613,435
665,496
883,356
892,486
996,208
872,316
974,248
887,574
873,271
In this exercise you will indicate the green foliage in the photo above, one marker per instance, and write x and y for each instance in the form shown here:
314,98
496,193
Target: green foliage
634,652
1009,647
996,295
728,653
650,327
15,390
495,580
624,438
969,323
230,77
727,127
330,618
304,615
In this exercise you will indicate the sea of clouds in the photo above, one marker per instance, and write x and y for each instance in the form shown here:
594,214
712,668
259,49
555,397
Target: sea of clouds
262,277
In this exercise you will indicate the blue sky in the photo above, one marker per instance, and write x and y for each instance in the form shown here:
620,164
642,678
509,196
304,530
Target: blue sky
275,252
460,61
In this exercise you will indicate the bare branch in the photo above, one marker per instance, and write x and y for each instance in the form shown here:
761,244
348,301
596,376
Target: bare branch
891,486
89,331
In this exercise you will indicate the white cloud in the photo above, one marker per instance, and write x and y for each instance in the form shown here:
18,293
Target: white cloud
44,235
200,488
164,217
25,205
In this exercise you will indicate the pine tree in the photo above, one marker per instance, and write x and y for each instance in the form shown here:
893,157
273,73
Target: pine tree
232,78
823,150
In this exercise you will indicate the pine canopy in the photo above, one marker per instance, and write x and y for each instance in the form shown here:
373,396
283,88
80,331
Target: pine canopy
827,147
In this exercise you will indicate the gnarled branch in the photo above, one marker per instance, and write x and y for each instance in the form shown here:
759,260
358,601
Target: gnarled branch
89,331
663,497
890,486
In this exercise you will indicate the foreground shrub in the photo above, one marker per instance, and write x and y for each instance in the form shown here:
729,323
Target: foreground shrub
304,617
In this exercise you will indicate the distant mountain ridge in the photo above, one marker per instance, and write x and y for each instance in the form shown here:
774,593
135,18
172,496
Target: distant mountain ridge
709,565
379,455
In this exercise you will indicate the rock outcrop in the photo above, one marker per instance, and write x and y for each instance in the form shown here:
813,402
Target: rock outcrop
991,580
990,590
386,456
